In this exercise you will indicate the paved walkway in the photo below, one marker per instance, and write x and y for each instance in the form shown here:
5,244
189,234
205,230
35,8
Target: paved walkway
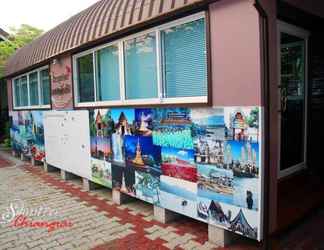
90,220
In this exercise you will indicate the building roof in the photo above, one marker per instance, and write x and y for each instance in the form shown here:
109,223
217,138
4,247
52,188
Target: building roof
3,34
103,20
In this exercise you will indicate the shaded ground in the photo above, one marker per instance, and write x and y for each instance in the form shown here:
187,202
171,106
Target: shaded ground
97,223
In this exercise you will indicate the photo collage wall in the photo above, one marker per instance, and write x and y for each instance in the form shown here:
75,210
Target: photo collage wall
203,162
27,133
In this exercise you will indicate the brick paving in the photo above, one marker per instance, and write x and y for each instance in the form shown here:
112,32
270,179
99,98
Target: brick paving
97,223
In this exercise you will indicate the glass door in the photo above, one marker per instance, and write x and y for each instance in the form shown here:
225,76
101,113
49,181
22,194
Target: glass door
293,98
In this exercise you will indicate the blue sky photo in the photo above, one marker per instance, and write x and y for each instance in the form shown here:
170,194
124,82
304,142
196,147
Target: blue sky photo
147,147
129,113
138,114
38,117
236,149
186,155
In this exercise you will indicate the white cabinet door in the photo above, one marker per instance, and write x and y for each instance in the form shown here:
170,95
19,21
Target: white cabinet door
67,141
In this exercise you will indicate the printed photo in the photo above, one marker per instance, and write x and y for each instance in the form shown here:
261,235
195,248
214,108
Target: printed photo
123,179
101,148
147,187
242,124
101,123
143,122
245,166
179,163
142,155
178,195
38,147
124,120
232,218
215,183
209,135
172,128
101,172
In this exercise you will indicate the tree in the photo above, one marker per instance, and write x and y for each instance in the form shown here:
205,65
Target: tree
253,119
18,38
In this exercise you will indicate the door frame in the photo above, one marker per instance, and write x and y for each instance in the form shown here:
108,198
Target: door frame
304,34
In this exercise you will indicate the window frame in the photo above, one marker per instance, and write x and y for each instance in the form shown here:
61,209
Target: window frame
160,100
27,74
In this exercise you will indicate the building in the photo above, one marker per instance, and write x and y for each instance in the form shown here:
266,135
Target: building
193,54
3,35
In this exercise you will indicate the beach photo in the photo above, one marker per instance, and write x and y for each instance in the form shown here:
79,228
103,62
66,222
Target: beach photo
178,195
179,163
215,183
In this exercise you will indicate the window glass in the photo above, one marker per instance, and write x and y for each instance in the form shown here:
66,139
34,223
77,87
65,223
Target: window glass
184,60
108,84
17,92
33,88
140,67
45,87
24,91
85,78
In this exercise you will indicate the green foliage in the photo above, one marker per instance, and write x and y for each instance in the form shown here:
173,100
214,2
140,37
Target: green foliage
7,142
18,38
253,119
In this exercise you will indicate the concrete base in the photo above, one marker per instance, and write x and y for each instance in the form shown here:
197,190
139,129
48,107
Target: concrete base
67,175
35,163
164,215
49,168
221,237
23,157
120,198
89,185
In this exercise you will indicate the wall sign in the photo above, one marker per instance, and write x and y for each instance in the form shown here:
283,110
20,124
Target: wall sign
61,77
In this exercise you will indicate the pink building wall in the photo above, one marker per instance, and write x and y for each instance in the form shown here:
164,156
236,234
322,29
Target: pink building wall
235,53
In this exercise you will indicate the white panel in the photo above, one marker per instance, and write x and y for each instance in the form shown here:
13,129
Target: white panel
67,141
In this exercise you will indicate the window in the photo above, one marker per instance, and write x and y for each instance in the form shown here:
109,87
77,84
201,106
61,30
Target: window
17,91
140,67
184,60
32,90
108,82
45,87
24,91
98,76
166,64
86,78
